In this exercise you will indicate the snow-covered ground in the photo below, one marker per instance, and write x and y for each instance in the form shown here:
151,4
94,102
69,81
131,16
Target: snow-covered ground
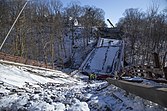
31,89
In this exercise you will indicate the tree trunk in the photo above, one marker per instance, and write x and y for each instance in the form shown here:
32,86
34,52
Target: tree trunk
164,59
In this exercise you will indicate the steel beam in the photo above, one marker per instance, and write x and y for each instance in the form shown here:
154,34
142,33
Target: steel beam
156,94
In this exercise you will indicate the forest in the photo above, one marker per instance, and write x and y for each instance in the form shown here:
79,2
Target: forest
145,33
42,30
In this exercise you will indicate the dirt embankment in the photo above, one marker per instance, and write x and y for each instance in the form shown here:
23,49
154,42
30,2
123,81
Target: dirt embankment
18,59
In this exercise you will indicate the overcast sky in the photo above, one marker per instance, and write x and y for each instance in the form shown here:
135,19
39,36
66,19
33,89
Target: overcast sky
115,8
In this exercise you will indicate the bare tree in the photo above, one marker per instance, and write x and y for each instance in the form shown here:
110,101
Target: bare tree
72,12
132,28
92,17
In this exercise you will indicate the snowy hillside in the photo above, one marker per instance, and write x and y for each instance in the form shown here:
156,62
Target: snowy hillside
30,89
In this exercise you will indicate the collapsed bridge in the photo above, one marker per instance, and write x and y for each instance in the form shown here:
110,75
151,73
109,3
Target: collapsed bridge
106,58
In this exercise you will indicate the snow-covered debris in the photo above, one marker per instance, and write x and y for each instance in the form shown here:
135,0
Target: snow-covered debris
29,89
19,76
108,42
